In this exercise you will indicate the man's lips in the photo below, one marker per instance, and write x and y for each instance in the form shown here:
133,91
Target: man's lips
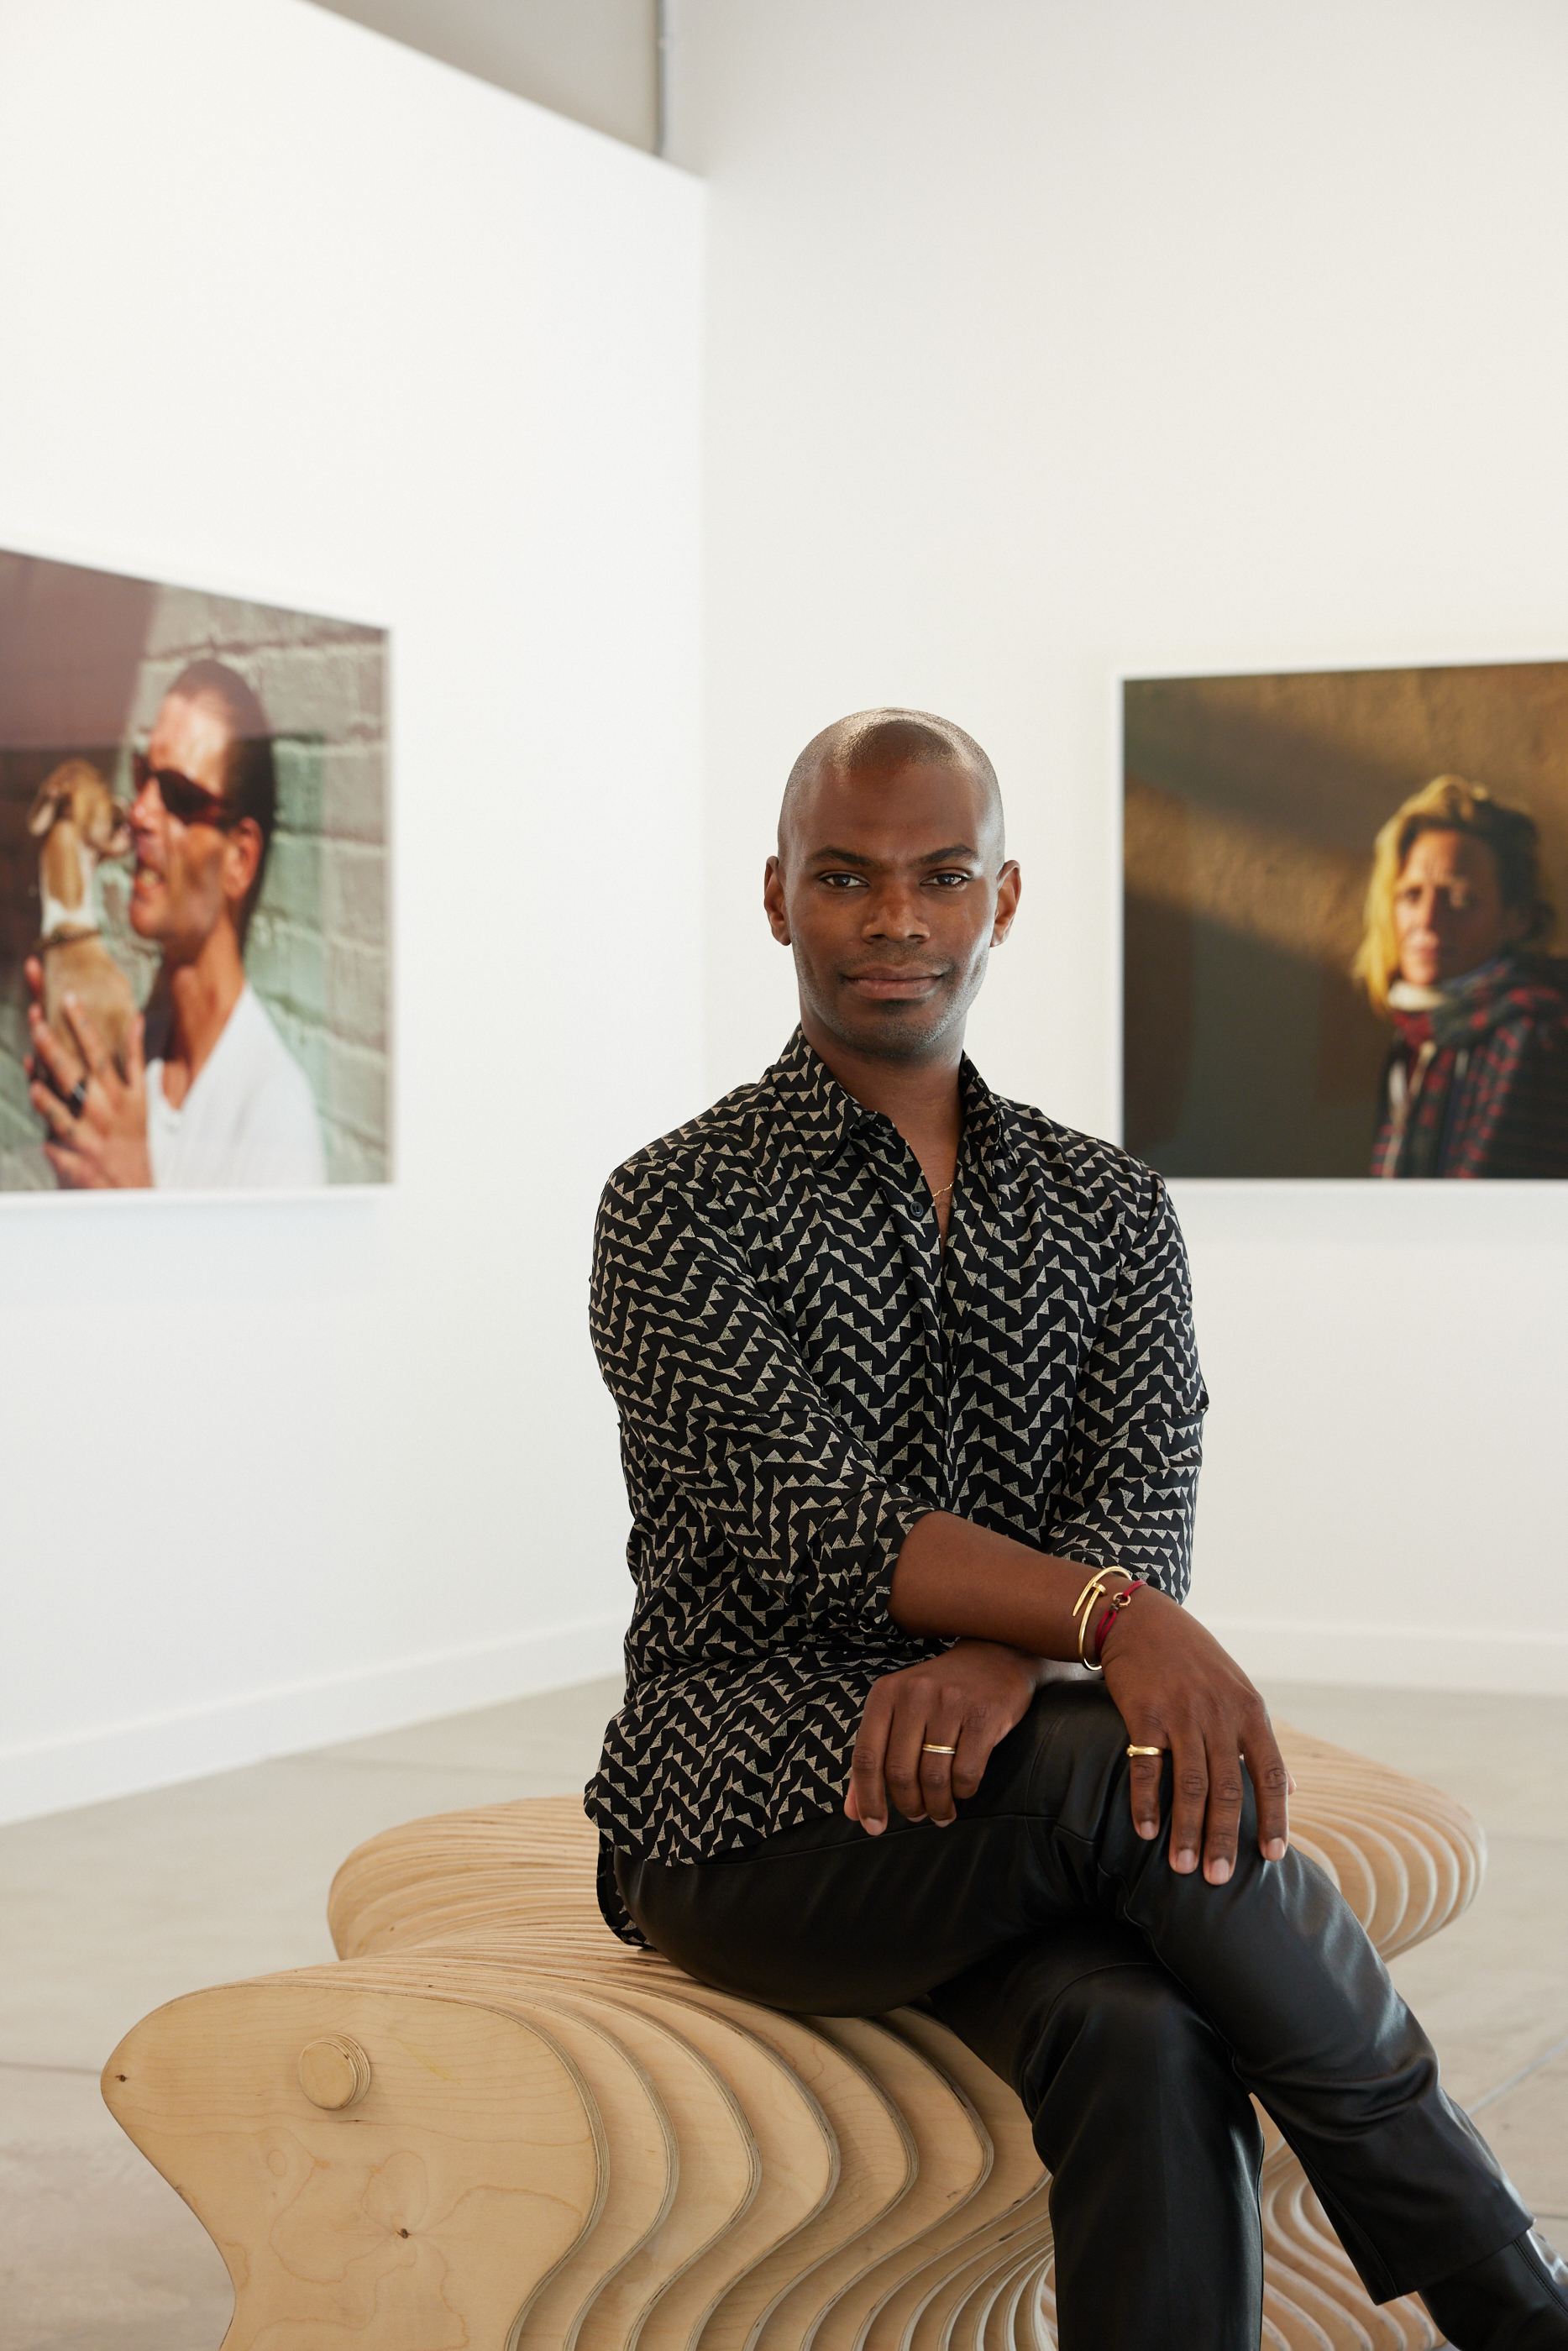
892,986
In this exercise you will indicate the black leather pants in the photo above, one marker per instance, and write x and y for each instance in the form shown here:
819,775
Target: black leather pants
1133,2010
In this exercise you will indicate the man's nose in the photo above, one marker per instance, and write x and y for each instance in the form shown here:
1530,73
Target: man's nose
896,912
147,808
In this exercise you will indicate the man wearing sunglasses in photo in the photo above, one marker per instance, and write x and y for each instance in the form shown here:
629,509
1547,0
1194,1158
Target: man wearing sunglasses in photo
223,1104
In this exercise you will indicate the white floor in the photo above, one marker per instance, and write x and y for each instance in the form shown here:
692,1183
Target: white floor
108,1911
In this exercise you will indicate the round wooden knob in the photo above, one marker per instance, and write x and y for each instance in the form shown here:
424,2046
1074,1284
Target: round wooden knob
334,2072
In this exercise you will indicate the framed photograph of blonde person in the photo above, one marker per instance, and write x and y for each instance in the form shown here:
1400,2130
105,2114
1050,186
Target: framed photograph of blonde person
1344,952
194,969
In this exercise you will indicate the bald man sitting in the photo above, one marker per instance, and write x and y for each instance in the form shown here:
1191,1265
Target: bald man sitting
911,1418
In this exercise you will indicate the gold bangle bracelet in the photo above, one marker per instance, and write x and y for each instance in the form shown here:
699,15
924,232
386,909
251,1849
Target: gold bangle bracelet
1084,1608
1097,1581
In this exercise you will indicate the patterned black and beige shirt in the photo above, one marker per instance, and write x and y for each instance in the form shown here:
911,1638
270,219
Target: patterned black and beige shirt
802,1371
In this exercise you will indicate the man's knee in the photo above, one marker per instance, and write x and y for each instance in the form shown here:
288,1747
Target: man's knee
1130,2023
1087,2002
1125,2054
1087,1992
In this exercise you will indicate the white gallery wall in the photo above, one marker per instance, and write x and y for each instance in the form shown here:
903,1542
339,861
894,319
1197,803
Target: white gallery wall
292,312
1047,340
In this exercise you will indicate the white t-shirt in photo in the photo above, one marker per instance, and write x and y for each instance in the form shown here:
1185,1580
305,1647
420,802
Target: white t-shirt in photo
248,1121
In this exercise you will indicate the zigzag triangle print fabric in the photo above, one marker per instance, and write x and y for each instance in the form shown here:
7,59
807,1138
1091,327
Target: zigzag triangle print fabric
802,1371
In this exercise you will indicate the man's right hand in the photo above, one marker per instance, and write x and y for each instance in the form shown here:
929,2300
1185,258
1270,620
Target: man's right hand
968,1699
98,1132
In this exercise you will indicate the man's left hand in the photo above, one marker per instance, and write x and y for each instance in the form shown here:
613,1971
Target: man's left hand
967,1700
101,1144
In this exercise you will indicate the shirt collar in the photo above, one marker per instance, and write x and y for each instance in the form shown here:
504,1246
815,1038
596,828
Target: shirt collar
825,1116
990,1124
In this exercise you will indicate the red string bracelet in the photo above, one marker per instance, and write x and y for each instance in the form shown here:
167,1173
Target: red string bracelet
1113,1607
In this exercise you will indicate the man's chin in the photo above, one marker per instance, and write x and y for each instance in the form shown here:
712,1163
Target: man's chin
898,1031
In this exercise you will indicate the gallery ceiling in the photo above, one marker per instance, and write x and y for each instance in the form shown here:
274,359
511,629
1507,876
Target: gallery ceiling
595,60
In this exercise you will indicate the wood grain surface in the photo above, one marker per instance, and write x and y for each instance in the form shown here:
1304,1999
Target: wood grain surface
491,2127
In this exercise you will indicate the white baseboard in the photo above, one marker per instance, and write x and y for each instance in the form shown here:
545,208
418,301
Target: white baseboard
55,1775
155,1751
1395,1656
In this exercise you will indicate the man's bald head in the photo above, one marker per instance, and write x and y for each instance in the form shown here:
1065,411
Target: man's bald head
871,746
890,885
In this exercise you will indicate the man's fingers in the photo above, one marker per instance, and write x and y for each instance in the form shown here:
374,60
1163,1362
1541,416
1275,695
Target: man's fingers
868,1789
977,1744
904,1768
1143,1782
936,1772
1190,1800
1222,1820
85,1030
62,1066
1271,1784
50,1107
33,972
67,1166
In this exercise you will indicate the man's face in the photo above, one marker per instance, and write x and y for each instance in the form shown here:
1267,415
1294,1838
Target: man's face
890,890
188,876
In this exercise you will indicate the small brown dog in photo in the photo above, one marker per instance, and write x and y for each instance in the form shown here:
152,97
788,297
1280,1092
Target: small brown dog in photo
79,822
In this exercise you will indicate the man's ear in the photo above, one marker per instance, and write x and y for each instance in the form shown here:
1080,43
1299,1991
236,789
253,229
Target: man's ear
1009,885
773,901
242,858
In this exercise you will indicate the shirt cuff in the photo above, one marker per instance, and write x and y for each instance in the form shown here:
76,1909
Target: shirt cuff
860,1551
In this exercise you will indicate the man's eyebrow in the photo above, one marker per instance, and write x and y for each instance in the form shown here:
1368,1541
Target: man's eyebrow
954,849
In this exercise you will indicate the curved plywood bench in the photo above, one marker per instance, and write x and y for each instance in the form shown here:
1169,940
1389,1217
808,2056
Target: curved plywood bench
491,2127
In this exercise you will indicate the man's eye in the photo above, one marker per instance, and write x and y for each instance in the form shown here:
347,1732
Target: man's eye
948,881
843,881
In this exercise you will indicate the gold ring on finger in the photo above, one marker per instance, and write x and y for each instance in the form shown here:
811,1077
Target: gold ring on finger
1145,1750
927,1748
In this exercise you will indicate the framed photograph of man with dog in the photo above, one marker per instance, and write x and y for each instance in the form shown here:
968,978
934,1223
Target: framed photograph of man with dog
193,887
1342,946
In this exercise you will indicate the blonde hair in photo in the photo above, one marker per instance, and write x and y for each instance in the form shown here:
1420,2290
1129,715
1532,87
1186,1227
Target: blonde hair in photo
1450,804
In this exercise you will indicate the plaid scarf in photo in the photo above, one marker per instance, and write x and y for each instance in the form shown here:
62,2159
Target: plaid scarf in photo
1477,1083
